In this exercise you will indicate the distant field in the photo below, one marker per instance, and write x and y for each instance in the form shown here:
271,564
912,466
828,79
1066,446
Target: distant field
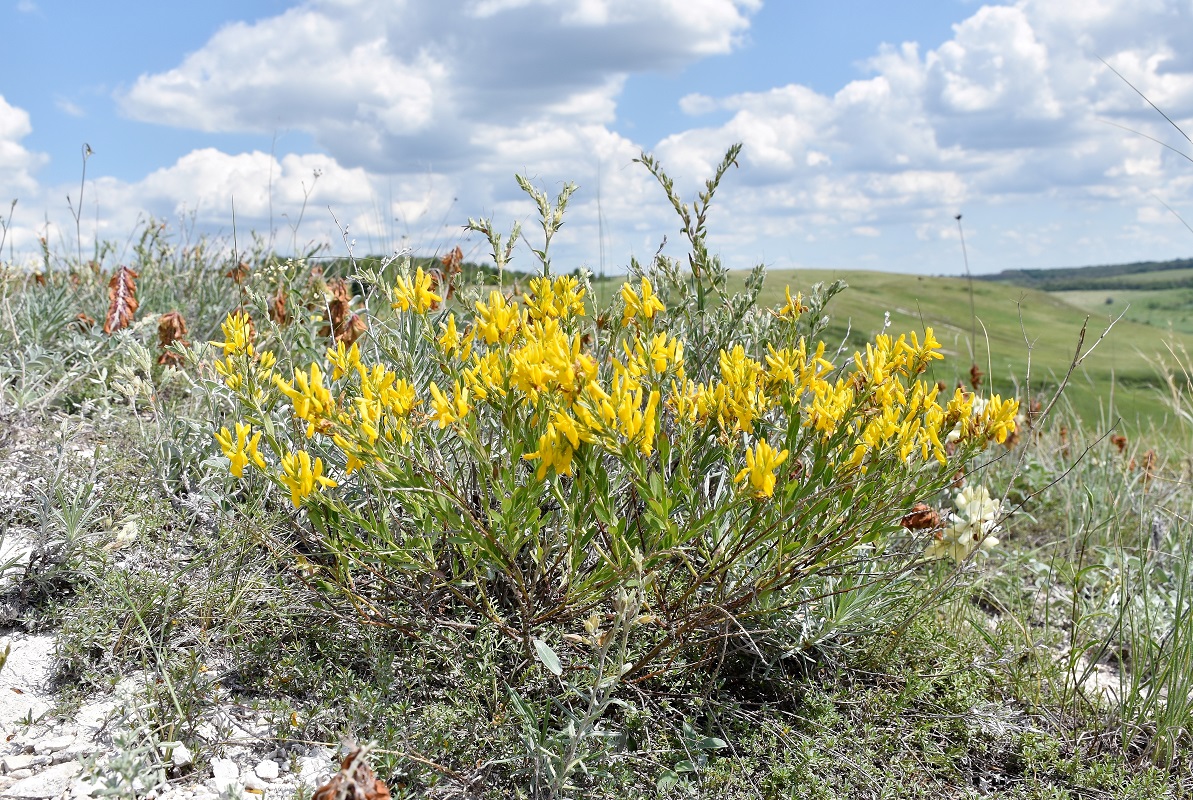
1116,381
1160,308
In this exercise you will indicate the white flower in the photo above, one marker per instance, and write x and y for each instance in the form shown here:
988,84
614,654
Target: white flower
970,526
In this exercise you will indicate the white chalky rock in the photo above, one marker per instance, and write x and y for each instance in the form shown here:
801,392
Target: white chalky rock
53,745
313,770
83,788
267,770
225,774
180,755
48,783
21,761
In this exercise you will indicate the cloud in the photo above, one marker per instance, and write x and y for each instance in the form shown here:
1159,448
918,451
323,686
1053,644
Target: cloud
69,107
1010,110
696,104
17,165
399,86
423,113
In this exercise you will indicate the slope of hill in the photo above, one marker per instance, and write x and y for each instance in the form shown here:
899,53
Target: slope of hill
1117,380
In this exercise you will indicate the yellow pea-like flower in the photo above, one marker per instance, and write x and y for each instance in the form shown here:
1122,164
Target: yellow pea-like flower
759,472
238,334
415,293
240,448
644,303
302,476
449,409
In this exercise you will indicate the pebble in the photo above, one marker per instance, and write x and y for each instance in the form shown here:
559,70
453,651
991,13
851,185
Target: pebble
82,788
48,783
181,756
267,770
312,770
23,761
225,774
253,783
53,745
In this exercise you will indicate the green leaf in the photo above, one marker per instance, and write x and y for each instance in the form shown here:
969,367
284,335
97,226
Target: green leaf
667,780
547,656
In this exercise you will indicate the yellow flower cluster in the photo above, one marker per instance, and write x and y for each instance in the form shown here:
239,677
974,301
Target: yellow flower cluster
555,299
238,335
644,303
243,369
312,400
241,448
415,293
528,362
301,476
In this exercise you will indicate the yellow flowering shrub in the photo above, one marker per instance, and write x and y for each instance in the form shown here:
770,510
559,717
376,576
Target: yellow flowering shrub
529,456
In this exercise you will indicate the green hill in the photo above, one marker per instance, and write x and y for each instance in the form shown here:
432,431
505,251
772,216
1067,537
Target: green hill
1137,275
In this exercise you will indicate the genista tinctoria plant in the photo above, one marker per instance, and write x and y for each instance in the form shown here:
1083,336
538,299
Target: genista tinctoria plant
522,460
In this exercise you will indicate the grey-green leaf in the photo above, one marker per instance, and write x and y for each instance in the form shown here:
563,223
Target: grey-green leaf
547,656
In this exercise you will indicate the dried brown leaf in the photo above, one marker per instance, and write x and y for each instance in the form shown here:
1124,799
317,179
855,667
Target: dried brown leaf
975,377
171,329
238,274
347,325
355,781
122,300
277,307
922,517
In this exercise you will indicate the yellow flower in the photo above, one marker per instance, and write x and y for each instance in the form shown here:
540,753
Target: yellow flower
448,410
794,307
499,319
486,376
561,298
683,401
416,293
557,445
265,362
238,334
311,399
998,418
449,339
240,449
302,477
646,304
636,424
343,359
761,463
351,453
920,356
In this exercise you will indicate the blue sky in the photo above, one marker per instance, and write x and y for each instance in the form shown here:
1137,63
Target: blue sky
867,125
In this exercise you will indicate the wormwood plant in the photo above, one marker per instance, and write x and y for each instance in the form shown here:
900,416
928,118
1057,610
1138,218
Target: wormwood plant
524,459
